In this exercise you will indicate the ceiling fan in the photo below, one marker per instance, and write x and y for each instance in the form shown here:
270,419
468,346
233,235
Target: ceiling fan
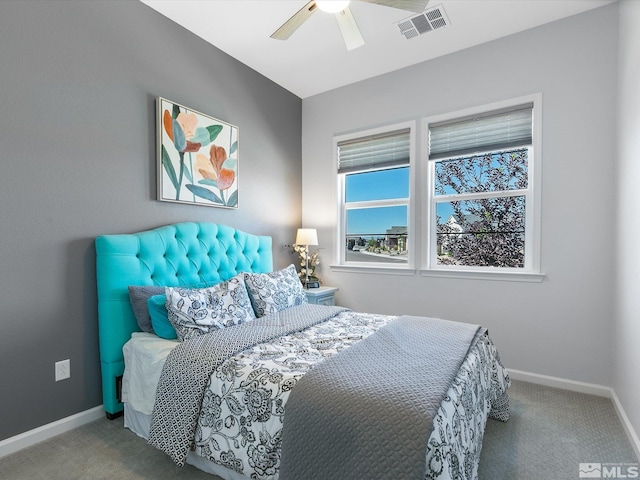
348,26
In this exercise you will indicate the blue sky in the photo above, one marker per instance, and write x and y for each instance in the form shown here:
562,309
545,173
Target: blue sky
383,184
378,185
376,221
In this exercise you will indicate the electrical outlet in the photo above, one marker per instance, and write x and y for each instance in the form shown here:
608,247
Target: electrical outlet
63,370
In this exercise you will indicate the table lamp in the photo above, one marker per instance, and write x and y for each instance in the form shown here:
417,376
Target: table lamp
306,237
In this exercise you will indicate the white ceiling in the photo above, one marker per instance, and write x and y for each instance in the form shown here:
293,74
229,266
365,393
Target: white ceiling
314,59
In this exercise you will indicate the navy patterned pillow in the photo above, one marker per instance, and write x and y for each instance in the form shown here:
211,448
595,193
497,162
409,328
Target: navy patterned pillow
194,312
275,291
139,297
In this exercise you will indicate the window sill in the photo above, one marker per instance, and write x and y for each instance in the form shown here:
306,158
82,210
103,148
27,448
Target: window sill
465,274
478,275
381,269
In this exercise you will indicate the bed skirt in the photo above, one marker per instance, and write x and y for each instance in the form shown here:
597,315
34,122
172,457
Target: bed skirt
140,424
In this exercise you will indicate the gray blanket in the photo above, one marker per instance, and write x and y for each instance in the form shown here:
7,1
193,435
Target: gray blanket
368,412
186,372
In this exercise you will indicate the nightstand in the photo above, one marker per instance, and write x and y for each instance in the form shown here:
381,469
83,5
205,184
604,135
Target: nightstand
321,295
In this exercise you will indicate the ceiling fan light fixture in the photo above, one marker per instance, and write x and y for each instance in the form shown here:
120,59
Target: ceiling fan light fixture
332,6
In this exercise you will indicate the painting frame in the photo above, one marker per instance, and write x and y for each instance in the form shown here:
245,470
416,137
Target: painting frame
197,157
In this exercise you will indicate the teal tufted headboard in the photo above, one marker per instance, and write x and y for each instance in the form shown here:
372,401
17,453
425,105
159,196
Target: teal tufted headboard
179,254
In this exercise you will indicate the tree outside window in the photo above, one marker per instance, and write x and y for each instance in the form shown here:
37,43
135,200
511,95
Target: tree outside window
482,195
487,229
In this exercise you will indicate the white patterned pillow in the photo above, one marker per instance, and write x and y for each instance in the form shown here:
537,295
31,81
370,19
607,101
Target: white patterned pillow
194,312
275,291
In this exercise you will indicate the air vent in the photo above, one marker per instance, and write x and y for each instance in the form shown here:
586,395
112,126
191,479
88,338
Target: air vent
427,21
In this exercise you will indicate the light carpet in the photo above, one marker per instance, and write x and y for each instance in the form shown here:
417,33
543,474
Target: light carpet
551,431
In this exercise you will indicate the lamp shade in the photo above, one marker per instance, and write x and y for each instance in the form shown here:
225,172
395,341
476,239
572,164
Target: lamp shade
307,236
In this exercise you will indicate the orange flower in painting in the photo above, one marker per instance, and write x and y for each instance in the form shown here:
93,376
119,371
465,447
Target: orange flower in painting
181,130
167,121
211,168
189,123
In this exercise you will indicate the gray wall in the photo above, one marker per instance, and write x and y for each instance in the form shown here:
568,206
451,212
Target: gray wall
562,326
78,82
627,339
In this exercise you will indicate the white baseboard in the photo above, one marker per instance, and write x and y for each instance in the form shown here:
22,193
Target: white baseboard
40,434
563,383
582,387
631,433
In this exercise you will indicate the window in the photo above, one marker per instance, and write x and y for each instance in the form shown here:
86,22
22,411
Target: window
374,172
482,199
470,208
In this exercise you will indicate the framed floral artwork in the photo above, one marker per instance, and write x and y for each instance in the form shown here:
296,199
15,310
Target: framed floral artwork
197,157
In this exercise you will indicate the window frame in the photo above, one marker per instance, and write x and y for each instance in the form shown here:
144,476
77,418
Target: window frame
343,207
531,271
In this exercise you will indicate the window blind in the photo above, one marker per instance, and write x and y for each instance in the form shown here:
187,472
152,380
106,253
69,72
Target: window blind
496,130
389,149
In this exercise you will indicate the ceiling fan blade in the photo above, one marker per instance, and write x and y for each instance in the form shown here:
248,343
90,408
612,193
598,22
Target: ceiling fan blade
417,6
349,28
291,25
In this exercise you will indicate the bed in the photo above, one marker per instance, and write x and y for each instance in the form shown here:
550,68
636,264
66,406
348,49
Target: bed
215,396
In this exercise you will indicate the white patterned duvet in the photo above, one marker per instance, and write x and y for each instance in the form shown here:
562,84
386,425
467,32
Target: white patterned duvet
242,414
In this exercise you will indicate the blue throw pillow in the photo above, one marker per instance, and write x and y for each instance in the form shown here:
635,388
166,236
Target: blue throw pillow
160,318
